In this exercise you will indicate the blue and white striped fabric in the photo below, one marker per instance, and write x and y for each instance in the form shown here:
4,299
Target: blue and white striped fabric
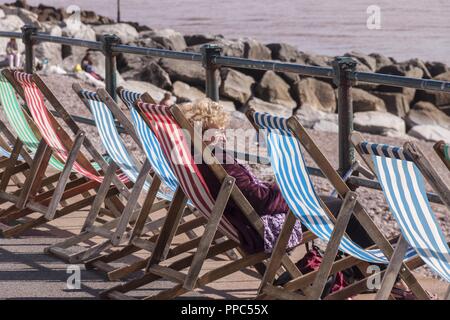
404,188
295,184
111,139
384,150
149,142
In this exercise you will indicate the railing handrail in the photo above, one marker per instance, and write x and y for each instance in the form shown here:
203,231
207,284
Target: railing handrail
225,61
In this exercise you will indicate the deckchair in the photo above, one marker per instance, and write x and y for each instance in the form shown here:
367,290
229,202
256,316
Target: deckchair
284,137
400,172
443,150
165,122
144,138
113,231
57,141
27,144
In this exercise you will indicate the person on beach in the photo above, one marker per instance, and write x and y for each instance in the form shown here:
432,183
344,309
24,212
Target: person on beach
12,51
88,66
267,200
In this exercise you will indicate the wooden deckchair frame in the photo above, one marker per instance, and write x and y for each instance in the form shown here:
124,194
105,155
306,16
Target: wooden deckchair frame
113,231
189,281
412,151
137,240
360,214
439,148
65,189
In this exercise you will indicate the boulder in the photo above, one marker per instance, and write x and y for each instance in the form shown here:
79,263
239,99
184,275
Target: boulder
381,61
273,108
168,38
78,31
325,125
436,68
26,16
140,86
435,97
191,73
256,50
315,93
430,133
314,59
396,103
309,116
369,62
422,66
199,39
402,69
154,74
275,90
124,31
365,101
235,85
50,51
283,52
186,93
290,78
10,23
426,113
227,105
377,122
230,48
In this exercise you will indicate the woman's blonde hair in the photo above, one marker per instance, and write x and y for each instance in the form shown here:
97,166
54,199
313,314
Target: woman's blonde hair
209,112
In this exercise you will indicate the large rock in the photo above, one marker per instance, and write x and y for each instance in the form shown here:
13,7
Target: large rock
168,38
283,52
26,16
402,69
309,116
435,97
422,66
256,50
236,85
78,31
140,86
154,74
190,72
10,23
230,48
186,93
275,90
50,51
124,31
381,61
272,108
199,39
430,133
396,103
365,101
368,62
377,122
425,113
436,68
315,93
314,59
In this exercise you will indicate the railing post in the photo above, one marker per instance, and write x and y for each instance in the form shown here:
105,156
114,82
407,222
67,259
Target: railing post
343,67
108,40
27,32
209,52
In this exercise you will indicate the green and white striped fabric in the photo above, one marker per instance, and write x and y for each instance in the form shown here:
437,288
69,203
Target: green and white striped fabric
17,119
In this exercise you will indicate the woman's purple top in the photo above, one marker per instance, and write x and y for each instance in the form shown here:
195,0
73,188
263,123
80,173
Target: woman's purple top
267,201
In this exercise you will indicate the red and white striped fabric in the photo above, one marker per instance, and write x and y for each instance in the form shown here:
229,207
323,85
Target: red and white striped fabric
178,153
41,116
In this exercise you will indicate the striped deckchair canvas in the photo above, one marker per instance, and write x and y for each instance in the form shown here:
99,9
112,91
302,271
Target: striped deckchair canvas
404,189
295,184
42,118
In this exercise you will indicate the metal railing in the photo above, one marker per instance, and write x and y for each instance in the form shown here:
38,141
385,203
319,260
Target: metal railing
343,73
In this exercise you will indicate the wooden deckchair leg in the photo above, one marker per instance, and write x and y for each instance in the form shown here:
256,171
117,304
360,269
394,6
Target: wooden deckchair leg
333,245
210,231
37,170
100,197
7,173
278,251
131,204
169,228
65,174
395,264
146,207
